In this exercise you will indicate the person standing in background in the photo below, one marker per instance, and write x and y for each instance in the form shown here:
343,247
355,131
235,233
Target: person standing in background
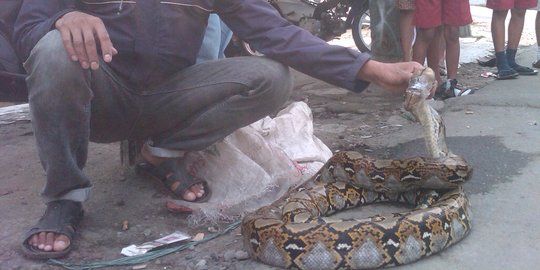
506,59
434,18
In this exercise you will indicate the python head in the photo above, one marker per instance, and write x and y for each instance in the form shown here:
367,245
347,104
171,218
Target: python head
420,85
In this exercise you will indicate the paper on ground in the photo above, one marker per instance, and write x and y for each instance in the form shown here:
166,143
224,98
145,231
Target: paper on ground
134,250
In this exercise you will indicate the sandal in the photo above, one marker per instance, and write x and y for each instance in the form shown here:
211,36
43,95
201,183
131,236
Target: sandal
169,173
61,217
525,70
506,74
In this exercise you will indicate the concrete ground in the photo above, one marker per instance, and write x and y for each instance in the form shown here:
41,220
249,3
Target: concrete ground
496,130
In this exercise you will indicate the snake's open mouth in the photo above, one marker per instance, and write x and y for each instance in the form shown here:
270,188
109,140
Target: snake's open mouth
419,88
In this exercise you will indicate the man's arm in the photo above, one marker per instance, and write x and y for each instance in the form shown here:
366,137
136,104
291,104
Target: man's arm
261,25
258,23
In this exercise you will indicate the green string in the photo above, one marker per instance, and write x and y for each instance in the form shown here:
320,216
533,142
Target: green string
138,259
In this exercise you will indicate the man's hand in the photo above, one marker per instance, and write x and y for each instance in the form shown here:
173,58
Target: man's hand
81,34
391,76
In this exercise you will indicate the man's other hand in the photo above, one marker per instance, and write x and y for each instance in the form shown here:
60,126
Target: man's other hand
393,77
81,34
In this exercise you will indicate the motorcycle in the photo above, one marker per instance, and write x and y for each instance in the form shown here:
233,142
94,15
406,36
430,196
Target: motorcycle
326,19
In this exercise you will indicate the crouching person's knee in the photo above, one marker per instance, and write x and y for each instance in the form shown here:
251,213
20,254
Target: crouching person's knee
50,70
49,54
277,82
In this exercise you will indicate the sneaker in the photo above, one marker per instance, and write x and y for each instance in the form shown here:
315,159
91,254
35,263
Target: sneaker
451,88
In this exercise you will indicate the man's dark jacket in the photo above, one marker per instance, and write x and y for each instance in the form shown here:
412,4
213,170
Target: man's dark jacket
155,38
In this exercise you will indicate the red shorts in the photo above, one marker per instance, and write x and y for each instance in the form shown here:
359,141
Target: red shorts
510,4
433,13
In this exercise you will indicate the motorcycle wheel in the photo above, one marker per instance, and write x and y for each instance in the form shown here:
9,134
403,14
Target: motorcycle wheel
361,30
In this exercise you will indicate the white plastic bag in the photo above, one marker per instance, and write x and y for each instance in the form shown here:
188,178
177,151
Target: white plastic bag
253,166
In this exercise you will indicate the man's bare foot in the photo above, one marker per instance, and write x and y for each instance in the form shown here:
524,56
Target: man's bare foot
194,192
49,241
52,236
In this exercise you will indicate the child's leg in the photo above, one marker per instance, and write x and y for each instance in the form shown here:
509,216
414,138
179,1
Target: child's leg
442,54
515,29
424,38
498,34
406,33
537,29
427,19
456,13
451,87
434,53
451,35
497,29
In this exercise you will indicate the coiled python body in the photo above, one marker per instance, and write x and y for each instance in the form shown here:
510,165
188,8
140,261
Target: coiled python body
295,232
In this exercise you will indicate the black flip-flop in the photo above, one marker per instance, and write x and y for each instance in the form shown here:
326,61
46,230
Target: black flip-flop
61,217
169,172
507,74
527,71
